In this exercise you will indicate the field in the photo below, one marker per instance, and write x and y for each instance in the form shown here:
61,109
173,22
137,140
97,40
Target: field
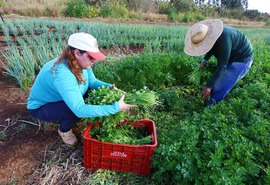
227,143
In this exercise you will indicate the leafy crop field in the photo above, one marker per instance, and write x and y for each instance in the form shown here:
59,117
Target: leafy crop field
227,143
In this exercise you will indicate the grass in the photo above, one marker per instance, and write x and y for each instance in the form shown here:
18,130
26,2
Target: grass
3,129
21,127
59,165
64,164
3,134
52,8
147,16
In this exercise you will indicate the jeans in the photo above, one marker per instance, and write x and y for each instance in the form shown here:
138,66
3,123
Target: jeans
57,112
234,72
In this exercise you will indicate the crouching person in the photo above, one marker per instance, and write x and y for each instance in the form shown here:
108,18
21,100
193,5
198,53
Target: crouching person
231,48
58,90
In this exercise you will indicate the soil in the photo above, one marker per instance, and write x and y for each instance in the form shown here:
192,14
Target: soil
21,146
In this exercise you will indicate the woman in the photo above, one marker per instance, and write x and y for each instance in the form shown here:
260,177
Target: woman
233,51
57,93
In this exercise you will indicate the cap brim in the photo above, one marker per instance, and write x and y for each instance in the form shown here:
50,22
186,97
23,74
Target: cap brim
97,55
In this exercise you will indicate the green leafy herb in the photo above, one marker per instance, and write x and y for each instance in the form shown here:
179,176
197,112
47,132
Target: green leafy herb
110,129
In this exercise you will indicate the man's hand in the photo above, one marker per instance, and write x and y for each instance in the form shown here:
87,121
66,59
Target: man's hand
123,106
202,65
206,92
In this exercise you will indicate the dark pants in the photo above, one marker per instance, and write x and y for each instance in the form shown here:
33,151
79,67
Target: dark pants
56,112
234,72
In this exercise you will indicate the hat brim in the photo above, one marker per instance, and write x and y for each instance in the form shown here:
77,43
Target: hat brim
97,55
215,28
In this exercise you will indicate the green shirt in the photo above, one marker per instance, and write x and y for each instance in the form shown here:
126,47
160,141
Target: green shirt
231,46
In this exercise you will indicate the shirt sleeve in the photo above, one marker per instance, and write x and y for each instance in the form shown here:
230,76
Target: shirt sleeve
208,55
94,83
67,86
223,53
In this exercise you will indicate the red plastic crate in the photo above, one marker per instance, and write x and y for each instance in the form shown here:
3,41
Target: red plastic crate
120,157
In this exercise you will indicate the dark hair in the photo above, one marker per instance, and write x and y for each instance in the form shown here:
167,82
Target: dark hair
72,49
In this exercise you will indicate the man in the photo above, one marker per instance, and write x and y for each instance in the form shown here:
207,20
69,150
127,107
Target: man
231,48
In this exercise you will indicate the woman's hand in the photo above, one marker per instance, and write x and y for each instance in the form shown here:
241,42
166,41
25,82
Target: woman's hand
114,87
123,106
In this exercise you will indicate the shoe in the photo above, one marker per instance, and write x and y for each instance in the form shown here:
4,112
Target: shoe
68,137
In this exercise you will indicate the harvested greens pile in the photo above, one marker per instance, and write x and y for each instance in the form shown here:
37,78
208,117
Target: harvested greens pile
195,76
111,128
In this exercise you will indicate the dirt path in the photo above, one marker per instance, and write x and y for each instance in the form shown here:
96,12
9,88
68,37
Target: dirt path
21,152
21,145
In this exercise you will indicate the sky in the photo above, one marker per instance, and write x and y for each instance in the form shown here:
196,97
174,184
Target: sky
261,5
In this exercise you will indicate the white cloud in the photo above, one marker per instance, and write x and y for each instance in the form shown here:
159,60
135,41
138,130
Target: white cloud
261,5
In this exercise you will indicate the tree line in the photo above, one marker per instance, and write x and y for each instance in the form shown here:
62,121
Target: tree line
231,4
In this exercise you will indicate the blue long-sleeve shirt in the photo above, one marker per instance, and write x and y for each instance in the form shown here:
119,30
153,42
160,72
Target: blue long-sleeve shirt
62,85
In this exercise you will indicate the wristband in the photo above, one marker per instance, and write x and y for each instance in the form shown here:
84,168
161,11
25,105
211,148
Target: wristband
203,60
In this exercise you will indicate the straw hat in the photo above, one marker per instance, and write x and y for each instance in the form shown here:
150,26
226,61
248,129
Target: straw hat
201,37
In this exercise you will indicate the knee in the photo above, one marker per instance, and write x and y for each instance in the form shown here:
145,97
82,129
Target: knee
71,116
